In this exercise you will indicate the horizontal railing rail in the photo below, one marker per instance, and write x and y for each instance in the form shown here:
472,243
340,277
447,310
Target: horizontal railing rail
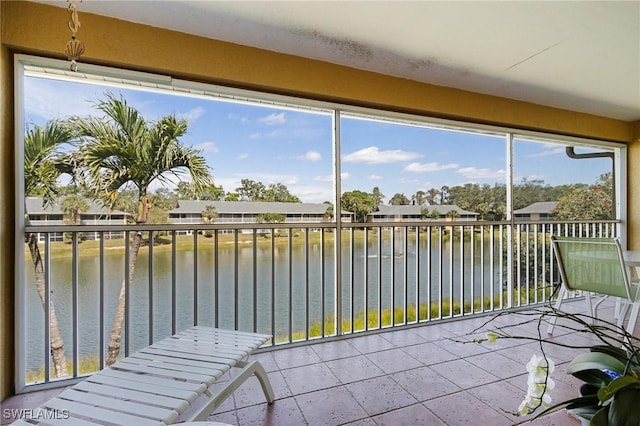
275,278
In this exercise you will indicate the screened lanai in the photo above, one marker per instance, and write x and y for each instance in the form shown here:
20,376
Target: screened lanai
345,107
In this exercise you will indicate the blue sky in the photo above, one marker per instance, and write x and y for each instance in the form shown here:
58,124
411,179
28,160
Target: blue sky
295,148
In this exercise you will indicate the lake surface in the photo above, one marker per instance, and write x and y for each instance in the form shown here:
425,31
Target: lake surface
296,281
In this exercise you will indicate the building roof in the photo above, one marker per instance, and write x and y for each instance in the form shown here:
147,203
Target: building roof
541,207
416,210
34,205
250,207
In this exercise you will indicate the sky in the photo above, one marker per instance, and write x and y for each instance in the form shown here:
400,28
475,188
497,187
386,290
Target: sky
295,147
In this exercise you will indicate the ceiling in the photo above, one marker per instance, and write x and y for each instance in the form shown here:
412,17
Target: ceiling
577,55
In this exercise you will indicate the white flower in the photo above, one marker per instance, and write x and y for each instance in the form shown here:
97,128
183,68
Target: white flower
540,367
524,409
539,385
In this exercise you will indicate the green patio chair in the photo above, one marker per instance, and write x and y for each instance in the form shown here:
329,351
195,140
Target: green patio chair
596,268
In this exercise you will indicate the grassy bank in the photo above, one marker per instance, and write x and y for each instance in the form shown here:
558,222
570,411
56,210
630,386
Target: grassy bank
185,242
433,311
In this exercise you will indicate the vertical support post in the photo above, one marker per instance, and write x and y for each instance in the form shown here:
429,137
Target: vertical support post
102,299
150,289
338,215
509,189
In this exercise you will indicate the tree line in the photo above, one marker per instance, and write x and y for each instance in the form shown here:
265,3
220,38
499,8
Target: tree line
578,201
574,202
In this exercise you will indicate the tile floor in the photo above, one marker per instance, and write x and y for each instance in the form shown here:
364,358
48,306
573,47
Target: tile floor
423,375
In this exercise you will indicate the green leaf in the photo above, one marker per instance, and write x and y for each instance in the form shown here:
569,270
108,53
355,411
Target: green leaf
588,367
621,355
601,417
581,401
585,412
597,360
618,353
607,392
595,377
623,408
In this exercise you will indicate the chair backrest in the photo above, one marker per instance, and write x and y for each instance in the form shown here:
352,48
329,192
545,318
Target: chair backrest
592,264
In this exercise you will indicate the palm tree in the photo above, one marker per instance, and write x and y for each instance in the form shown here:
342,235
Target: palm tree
452,214
432,195
329,213
123,149
209,214
377,195
42,167
72,206
419,198
424,213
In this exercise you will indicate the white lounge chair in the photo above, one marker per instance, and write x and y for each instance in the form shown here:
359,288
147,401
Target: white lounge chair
158,383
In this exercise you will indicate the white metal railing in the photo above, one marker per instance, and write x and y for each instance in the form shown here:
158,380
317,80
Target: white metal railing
284,282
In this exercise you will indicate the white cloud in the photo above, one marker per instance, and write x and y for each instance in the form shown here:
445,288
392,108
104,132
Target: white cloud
476,173
373,155
409,181
313,194
549,151
374,177
242,156
207,147
313,156
272,134
329,178
310,156
273,119
59,100
272,178
429,167
192,115
237,117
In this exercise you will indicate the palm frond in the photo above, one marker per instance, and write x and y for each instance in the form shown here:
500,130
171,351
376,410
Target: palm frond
43,159
122,148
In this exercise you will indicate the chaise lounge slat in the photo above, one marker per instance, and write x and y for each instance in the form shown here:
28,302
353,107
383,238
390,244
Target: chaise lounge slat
133,395
202,348
169,387
157,384
195,366
76,409
116,402
206,359
167,371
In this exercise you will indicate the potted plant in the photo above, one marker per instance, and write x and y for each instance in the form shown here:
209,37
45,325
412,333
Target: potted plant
610,369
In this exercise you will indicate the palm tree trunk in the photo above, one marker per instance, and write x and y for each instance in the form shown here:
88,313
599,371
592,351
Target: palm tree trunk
116,329
57,344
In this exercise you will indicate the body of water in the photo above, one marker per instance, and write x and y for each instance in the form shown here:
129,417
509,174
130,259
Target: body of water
298,281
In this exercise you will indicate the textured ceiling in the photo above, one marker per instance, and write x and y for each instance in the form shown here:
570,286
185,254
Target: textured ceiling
582,56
